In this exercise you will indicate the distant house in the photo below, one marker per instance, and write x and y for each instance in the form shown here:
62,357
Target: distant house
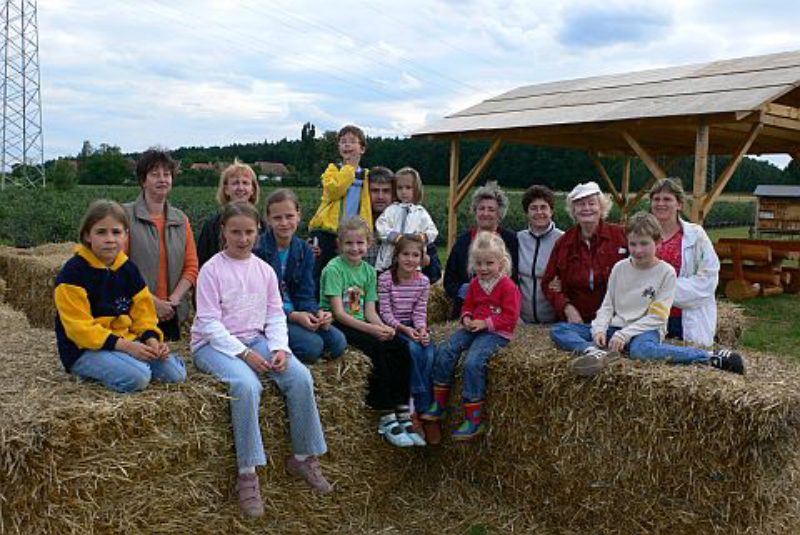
271,170
203,166
777,209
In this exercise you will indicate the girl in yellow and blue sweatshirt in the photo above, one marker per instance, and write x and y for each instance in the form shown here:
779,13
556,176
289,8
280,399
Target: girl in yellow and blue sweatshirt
106,323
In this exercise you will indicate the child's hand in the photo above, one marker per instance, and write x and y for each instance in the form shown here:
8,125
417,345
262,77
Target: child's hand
408,331
477,325
137,350
279,361
426,260
161,349
466,321
383,332
424,336
257,362
324,319
600,339
616,344
305,320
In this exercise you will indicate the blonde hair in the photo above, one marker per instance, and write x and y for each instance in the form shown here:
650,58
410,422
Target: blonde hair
416,182
236,169
354,224
489,243
603,199
644,224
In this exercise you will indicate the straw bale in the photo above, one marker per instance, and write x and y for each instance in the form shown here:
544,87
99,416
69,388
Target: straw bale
30,277
2,289
643,448
440,307
731,322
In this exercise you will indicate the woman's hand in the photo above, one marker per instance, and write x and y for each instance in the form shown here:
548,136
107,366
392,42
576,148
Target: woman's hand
555,285
572,314
164,309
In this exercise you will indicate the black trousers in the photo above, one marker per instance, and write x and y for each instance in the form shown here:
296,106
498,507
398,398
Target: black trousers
391,368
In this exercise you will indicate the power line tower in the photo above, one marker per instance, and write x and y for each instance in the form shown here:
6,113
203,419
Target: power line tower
23,149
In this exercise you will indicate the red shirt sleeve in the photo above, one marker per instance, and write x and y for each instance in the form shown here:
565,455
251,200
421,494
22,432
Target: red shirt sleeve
508,295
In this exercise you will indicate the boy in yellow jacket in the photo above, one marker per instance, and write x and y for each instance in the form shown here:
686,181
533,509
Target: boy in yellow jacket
345,193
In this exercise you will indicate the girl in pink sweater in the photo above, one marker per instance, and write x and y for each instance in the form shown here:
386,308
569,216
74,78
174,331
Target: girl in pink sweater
488,318
239,335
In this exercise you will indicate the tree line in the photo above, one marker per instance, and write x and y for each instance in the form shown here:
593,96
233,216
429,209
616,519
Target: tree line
515,166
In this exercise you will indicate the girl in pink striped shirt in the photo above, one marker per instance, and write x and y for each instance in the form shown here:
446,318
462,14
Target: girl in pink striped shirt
403,296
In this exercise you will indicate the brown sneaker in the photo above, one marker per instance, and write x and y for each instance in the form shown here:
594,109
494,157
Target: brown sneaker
310,471
249,495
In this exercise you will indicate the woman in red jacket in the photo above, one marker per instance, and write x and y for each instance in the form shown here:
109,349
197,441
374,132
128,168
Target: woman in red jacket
581,261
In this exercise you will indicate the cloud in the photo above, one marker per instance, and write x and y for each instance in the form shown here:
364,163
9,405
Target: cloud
606,26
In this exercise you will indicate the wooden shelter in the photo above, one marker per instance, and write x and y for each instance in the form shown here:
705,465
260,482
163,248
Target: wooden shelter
737,107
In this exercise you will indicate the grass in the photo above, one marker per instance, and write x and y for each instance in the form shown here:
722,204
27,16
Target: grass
773,325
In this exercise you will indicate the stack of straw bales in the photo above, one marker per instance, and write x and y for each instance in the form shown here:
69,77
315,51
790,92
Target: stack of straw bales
30,278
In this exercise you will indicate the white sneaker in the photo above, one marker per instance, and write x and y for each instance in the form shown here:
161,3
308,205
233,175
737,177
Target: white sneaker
393,432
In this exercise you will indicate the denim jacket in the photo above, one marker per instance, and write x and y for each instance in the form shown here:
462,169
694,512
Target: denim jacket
299,274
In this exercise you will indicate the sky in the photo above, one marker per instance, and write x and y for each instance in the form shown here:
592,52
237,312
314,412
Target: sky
209,72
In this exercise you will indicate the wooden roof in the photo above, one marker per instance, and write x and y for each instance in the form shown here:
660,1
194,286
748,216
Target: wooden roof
776,191
661,107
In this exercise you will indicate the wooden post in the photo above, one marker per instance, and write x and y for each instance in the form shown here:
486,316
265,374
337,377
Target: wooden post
452,213
475,172
626,186
700,170
648,160
603,173
726,175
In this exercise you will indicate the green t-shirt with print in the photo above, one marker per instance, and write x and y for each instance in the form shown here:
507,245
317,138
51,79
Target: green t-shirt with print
356,285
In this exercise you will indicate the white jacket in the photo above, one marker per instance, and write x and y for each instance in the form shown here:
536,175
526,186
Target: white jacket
390,226
697,283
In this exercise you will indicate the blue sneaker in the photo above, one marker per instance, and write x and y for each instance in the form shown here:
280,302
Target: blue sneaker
434,413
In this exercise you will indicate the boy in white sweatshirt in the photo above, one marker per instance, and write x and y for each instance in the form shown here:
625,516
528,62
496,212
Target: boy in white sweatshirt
635,309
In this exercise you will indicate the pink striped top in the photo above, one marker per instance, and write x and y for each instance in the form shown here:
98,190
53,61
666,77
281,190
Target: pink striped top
404,302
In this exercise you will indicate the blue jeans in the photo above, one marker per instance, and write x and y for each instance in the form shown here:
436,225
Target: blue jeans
646,346
122,372
244,386
481,347
308,346
420,379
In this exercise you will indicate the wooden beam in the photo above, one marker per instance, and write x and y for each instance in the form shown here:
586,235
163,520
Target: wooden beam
696,213
603,173
472,176
644,191
452,213
726,175
648,160
780,110
781,122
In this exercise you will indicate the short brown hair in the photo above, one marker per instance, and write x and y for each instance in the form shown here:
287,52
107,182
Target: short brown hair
671,185
644,224
538,192
381,174
100,209
237,168
356,131
152,158
416,182
402,243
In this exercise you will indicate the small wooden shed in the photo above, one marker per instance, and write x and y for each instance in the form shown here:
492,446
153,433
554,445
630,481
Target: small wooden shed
777,210
737,107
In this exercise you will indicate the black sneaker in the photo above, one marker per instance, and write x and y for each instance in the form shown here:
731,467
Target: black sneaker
727,360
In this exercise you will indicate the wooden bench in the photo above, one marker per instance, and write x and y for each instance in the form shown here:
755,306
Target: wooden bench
758,267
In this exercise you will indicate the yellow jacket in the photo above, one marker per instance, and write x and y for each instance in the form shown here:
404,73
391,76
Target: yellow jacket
335,183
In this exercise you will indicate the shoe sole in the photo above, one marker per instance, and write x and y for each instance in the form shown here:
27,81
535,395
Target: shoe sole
467,438
586,366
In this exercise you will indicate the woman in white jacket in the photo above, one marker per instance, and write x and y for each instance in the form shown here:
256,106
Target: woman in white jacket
687,247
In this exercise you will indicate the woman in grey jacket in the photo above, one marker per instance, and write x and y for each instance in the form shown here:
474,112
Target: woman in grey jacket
535,245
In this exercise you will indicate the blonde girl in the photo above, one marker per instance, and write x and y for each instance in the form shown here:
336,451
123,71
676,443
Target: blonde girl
488,319
239,335
404,217
106,323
